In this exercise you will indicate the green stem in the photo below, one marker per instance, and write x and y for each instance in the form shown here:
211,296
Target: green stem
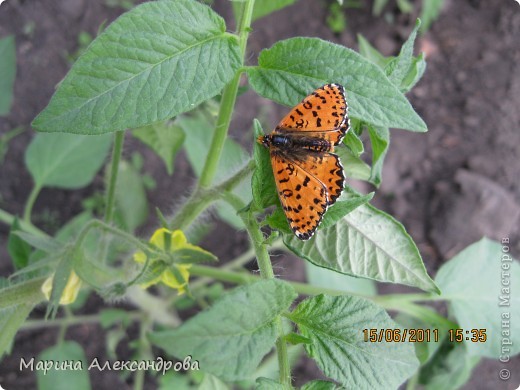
114,169
30,203
221,129
71,321
8,219
266,272
203,198
229,95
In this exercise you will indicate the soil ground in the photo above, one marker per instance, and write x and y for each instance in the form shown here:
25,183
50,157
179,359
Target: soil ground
450,187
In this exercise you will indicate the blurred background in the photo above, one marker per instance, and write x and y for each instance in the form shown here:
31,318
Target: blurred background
449,187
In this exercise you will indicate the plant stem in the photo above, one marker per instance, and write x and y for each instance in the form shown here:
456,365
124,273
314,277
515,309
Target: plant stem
202,198
30,203
8,219
114,169
71,321
229,95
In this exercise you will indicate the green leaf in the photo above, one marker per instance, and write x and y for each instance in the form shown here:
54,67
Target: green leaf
44,243
320,385
229,339
199,133
193,254
366,243
353,166
293,68
59,282
398,69
7,73
11,319
425,350
165,139
335,327
343,207
466,282
380,140
261,8
154,62
262,182
326,278
430,10
66,160
295,339
450,368
61,379
26,292
131,200
268,384
18,249
278,221
371,53
354,143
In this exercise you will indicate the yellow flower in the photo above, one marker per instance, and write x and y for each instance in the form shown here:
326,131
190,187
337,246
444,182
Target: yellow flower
70,293
174,240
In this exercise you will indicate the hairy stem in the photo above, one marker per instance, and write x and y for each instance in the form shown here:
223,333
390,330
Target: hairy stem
30,203
229,95
112,180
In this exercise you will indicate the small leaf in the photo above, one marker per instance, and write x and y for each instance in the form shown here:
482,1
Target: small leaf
320,385
7,73
430,10
416,72
268,384
165,139
366,243
61,379
18,249
261,8
450,368
229,339
380,140
11,319
65,160
154,62
466,282
335,327
193,254
342,208
295,339
398,68
44,243
262,182
59,282
354,143
371,53
278,221
353,166
293,68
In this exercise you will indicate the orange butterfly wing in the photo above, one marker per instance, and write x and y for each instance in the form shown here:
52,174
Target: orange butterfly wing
324,113
303,197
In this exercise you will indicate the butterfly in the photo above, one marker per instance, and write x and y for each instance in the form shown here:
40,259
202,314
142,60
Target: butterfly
309,176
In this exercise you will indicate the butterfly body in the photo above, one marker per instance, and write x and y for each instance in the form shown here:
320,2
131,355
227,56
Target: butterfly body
308,175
